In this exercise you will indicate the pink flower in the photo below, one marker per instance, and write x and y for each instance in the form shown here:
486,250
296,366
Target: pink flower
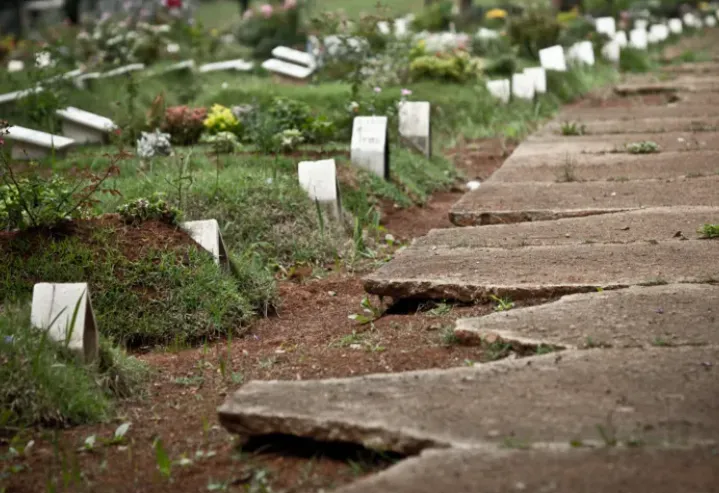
290,4
406,92
249,13
378,90
266,10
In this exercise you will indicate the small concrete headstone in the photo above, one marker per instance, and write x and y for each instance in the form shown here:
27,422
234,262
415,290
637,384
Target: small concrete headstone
33,144
606,25
17,95
126,69
500,89
287,69
239,65
294,56
621,39
690,20
383,27
319,180
414,125
582,53
612,52
401,27
675,26
15,66
187,66
710,21
370,145
539,78
55,306
657,33
485,33
207,234
85,127
522,86
641,24
638,39
552,58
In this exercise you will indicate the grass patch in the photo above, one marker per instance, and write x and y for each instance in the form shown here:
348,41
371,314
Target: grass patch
635,61
572,129
709,231
43,383
643,147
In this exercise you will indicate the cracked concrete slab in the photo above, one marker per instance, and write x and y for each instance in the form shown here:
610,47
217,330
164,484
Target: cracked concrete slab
580,115
660,224
646,125
679,84
560,146
472,274
501,203
606,470
658,396
671,315
616,166
692,68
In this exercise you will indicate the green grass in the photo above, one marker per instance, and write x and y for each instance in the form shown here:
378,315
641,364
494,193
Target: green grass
44,384
709,231
637,61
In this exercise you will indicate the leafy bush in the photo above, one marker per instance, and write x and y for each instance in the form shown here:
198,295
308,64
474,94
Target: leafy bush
184,124
435,18
289,139
154,208
223,142
221,119
532,31
504,66
270,26
453,67
709,231
643,147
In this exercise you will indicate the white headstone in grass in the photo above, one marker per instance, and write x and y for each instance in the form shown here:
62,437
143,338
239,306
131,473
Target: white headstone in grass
31,144
641,24
294,56
500,89
17,95
612,52
15,66
710,21
621,39
606,25
691,20
552,58
287,69
207,234
657,33
82,80
370,144
184,66
485,33
414,125
675,26
581,53
539,78
522,86
638,39
401,27
65,312
319,180
85,127
384,29
238,64
126,69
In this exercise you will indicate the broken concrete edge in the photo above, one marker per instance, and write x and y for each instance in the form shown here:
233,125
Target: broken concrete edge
260,421
471,336
460,217
398,288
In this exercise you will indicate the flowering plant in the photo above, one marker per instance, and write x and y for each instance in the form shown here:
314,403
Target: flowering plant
184,124
154,208
221,119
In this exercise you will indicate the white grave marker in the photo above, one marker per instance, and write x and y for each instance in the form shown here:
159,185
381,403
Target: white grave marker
552,58
187,66
710,21
15,66
485,33
133,67
606,25
621,39
85,127
370,144
612,52
207,234
33,144
539,77
638,39
294,56
522,86
500,89
401,28
384,28
238,64
642,24
17,95
55,306
414,125
675,26
690,20
582,53
319,180
287,69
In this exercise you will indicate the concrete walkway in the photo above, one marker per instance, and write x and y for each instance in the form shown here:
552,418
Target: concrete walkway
612,384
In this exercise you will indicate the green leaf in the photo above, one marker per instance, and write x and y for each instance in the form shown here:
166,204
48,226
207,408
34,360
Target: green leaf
164,465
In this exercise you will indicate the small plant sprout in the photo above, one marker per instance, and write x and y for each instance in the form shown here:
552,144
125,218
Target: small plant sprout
643,147
370,312
448,336
164,464
89,444
502,304
709,231
567,172
572,129
119,438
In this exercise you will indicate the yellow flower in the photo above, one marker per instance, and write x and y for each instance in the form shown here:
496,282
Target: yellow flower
496,14
704,6
214,33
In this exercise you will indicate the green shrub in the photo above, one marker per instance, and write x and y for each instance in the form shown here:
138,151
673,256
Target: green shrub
452,67
184,124
264,29
532,31
435,17
154,208
633,60
223,142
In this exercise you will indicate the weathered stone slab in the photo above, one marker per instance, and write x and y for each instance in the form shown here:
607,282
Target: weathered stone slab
692,68
644,125
673,315
617,166
370,145
553,58
11,97
653,396
238,64
471,274
636,113
671,86
522,86
33,144
294,56
605,470
539,76
653,224
500,89
497,203
287,69
207,234
414,125
54,309
559,145
319,180
85,127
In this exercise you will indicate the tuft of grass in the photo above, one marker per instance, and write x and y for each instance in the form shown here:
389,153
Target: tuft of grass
636,61
502,304
43,383
448,337
568,172
643,147
709,231
572,129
